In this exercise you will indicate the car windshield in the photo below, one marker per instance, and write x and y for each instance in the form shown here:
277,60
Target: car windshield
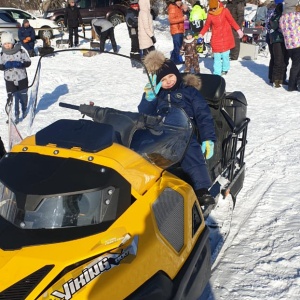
20,15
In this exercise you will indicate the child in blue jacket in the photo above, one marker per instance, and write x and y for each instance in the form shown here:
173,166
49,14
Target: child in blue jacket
171,89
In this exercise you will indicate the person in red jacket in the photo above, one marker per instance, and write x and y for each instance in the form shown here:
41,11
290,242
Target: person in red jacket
220,21
176,19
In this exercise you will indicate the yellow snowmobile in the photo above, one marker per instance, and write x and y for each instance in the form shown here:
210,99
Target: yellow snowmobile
97,210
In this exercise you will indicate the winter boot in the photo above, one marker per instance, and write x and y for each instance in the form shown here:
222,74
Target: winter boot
277,83
204,197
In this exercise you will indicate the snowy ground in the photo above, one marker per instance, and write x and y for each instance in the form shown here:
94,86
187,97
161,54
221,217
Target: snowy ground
261,256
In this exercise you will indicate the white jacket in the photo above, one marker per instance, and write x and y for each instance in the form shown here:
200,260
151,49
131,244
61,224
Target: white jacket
145,25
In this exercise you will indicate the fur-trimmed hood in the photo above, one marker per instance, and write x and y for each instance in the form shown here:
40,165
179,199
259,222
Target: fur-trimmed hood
192,80
155,60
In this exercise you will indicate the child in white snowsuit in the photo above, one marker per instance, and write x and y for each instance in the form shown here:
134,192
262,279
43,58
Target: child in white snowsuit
13,61
189,50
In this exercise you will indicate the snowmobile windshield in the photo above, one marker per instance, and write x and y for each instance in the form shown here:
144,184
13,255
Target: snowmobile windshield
57,211
114,85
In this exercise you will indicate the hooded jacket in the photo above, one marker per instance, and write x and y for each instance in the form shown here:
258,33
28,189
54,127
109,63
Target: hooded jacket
25,32
221,38
176,19
145,25
18,76
186,96
289,24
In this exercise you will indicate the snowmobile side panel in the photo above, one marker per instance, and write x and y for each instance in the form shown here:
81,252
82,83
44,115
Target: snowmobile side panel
188,284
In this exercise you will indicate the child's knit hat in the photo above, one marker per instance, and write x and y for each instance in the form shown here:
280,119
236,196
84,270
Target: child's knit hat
213,4
156,63
188,32
7,37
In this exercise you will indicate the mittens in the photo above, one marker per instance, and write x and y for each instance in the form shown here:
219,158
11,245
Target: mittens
153,39
8,65
208,148
17,64
27,39
13,64
149,94
200,40
240,33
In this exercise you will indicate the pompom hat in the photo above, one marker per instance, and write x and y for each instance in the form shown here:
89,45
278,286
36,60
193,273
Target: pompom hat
156,63
7,37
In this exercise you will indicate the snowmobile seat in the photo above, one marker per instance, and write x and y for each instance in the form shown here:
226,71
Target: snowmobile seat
77,133
212,88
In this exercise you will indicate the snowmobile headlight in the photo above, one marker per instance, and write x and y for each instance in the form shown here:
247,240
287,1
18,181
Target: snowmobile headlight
57,211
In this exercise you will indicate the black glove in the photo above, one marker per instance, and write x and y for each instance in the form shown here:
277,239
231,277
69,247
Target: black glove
153,39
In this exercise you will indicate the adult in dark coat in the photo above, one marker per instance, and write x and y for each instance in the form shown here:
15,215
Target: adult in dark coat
236,8
281,57
26,36
72,20
132,25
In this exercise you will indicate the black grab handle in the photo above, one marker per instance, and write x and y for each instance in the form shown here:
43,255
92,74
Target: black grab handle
66,105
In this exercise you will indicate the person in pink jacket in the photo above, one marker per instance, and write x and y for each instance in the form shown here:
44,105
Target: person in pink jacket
220,21
145,28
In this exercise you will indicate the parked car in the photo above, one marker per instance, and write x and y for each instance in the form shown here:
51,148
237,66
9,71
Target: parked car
112,10
7,23
42,26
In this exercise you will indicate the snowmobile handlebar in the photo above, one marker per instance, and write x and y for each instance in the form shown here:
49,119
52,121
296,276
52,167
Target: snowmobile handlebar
85,109
100,114
66,105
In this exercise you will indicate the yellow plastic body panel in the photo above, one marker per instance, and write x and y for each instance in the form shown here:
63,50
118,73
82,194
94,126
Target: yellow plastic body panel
154,252
140,173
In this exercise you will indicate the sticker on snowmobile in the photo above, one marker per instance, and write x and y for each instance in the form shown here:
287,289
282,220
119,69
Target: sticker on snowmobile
100,265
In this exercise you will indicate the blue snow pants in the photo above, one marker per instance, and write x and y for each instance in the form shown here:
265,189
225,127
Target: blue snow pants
195,166
177,43
221,62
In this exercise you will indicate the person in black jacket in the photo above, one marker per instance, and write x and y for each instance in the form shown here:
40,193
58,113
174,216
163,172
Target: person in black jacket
236,8
132,25
72,20
26,35
280,54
